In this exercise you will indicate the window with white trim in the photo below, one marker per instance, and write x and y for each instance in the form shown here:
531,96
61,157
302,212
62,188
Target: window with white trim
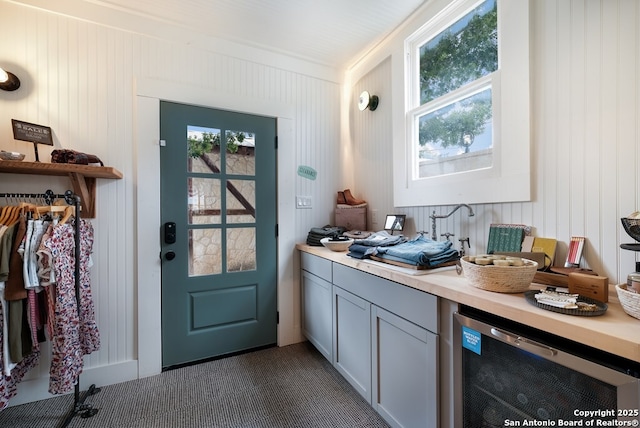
451,115
463,131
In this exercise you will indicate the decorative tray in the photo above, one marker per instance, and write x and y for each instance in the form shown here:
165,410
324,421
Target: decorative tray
601,308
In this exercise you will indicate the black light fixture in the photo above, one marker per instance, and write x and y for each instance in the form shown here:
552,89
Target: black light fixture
8,81
367,101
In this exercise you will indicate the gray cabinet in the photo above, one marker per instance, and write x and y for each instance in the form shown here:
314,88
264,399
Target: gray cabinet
380,335
404,358
402,351
317,313
352,340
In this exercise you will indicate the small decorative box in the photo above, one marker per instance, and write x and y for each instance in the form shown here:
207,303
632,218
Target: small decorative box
351,217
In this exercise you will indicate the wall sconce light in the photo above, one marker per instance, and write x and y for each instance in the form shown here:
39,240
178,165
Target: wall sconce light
8,81
367,101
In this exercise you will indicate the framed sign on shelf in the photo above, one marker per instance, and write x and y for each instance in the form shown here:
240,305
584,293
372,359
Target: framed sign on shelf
36,134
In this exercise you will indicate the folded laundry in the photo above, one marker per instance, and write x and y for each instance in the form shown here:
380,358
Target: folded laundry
419,251
382,239
360,251
432,261
357,234
317,233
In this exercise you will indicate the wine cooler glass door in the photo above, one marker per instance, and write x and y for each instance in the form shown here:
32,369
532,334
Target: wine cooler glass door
504,379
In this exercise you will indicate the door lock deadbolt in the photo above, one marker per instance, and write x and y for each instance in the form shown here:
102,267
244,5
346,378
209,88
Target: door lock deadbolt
169,232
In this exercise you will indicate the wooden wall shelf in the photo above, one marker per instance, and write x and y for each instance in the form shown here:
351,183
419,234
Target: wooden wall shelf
83,177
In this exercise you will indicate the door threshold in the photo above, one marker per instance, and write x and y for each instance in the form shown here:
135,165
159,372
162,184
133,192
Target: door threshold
218,357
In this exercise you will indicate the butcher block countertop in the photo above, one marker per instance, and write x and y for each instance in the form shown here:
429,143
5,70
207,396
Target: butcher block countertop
614,332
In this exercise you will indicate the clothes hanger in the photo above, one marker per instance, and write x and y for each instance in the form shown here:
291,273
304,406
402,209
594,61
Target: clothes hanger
12,215
50,209
69,211
64,212
7,212
19,210
4,213
27,207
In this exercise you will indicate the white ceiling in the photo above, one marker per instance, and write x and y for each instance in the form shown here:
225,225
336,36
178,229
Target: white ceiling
329,32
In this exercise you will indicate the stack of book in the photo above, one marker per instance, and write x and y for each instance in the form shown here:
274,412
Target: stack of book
575,251
506,237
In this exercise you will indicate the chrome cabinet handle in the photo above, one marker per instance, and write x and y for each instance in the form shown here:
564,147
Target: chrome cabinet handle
526,344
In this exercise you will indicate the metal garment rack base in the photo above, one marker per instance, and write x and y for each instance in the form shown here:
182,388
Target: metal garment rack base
80,408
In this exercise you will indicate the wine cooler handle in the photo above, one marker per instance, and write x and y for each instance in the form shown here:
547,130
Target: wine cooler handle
521,342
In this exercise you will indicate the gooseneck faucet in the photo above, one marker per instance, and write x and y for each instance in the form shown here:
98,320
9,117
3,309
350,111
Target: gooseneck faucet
434,216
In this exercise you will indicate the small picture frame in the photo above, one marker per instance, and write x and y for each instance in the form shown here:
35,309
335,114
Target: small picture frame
33,133
394,222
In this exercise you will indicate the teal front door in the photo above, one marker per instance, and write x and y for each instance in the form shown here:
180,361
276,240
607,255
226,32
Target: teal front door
218,234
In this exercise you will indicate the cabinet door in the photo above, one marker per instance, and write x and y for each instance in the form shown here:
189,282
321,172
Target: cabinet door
405,374
352,340
317,316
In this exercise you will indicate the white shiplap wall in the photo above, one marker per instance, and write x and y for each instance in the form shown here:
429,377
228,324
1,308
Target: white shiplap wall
585,62
80,79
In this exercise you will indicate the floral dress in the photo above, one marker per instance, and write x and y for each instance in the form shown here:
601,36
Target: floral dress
73,333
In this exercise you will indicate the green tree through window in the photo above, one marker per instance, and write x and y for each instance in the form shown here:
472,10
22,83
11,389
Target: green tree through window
197,147
459,55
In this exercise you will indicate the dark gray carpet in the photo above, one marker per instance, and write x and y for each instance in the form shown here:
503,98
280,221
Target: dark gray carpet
292,386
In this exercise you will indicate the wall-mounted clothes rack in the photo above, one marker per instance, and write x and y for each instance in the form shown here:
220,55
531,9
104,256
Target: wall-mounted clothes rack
49,197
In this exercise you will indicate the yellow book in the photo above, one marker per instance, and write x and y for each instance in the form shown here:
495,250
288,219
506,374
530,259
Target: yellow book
546,246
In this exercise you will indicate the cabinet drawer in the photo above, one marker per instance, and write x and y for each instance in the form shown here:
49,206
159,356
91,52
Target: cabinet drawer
316,265
414,305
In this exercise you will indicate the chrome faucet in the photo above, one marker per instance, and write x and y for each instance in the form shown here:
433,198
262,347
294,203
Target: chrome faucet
434,216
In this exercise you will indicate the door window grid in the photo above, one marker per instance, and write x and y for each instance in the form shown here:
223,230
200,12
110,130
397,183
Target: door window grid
210,249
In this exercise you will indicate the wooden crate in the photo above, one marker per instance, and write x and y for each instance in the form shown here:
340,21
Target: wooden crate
351,218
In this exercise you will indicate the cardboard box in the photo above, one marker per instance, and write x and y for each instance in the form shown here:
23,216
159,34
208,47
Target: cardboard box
351,218
595,287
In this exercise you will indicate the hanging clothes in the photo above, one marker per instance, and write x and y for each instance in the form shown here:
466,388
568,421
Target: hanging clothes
75,334
10,373
40,296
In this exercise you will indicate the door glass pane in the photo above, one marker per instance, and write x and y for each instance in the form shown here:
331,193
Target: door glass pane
205,256
241,201
241,249
204,200
203,148
240,156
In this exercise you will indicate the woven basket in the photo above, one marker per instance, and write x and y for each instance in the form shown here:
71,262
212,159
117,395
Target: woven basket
629,300
501,279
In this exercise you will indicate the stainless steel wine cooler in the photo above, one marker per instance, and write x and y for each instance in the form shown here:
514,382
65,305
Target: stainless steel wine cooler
509,374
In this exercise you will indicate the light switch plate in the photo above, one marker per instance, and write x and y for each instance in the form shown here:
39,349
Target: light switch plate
303,202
